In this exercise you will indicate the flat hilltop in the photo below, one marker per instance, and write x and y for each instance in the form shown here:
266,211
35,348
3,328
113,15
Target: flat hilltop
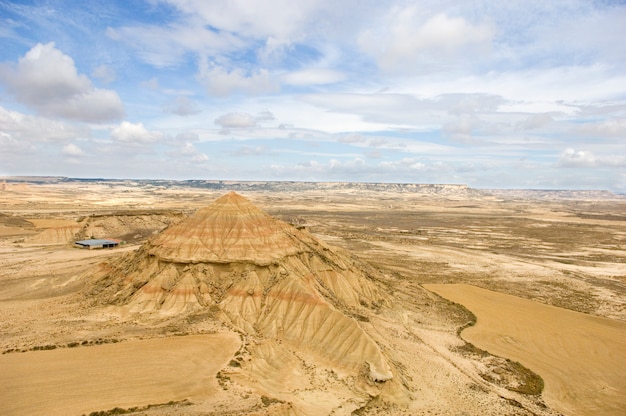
452,190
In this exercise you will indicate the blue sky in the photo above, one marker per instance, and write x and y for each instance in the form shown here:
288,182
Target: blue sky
515,94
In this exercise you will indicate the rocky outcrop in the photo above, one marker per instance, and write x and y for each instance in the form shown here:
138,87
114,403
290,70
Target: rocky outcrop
265,278
126,226
56,235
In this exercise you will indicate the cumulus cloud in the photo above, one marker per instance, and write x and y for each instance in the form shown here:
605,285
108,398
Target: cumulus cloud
242,120
47,80
447,76
571,158
72,150
405,40
131,133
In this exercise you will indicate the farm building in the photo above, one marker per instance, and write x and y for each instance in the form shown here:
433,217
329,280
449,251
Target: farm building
91,244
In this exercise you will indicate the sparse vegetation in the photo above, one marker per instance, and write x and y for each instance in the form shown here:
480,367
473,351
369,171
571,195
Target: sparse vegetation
504,372
73,344
122,411
268,401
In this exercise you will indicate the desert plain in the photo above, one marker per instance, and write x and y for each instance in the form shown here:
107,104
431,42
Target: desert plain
474,302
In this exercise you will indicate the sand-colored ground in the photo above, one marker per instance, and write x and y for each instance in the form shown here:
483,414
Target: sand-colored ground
72,381
582,358
562,252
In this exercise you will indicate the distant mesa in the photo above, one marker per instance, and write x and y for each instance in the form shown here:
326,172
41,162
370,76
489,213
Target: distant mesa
261,277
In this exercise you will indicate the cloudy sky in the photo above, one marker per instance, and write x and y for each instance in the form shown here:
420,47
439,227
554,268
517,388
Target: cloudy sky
493,94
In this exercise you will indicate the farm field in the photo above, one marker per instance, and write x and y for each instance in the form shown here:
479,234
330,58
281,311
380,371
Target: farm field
580,357
128,374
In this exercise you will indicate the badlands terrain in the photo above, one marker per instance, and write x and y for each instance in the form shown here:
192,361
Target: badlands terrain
289,298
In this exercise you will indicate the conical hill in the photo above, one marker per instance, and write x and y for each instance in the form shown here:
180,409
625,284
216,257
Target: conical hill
232,229
260,276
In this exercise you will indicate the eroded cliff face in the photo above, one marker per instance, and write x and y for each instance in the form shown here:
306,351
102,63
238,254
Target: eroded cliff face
288,293
127,226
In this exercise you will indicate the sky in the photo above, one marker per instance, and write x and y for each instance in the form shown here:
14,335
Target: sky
492,94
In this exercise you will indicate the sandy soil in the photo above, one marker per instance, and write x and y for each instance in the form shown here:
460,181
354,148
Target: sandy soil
582,358
135,373
565,253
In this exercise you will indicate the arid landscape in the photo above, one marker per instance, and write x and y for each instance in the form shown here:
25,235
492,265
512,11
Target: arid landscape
296,298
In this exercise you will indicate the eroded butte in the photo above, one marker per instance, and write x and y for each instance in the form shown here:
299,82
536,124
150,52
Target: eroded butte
316,309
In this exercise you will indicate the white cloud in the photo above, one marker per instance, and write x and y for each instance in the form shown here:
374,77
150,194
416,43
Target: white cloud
460,130
408,110
281,19
131,133
46,80
535,121
72,150
187,151
167,45
236,121
604,31
355,168
404,41
29,128
12,147
313,76
243,120
614,128
222,82
520,79
571,158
